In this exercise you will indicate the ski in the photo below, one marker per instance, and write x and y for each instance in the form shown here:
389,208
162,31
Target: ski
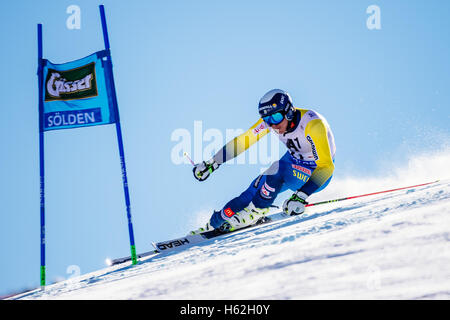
116,261
192,239
186,241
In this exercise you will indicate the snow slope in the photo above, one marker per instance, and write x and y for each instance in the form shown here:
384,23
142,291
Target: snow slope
390,246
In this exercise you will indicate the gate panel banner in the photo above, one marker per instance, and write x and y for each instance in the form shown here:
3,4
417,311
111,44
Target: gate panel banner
77,93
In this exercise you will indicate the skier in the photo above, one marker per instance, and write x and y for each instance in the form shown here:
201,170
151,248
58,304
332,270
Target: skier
306,168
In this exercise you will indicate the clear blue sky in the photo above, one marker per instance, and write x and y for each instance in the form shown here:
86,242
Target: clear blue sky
384,92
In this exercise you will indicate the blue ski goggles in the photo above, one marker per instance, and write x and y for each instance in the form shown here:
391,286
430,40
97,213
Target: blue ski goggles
275,118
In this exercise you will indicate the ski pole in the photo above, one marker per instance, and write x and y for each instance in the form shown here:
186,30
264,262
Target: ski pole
368,194
189,158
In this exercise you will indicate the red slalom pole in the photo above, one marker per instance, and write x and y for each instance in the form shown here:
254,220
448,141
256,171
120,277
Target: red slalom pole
369,194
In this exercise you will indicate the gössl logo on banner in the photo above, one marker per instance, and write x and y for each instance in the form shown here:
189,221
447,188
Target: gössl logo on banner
78,83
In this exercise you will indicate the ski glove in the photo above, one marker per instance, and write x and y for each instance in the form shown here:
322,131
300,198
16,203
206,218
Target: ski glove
295,205
203,169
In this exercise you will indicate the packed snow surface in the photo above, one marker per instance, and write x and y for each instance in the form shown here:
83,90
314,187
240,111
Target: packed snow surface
389,246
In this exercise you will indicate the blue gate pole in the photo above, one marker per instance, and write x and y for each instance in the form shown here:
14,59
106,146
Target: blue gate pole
119,138
41,155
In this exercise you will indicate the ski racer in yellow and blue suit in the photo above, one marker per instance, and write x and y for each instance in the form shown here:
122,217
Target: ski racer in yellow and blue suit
306,168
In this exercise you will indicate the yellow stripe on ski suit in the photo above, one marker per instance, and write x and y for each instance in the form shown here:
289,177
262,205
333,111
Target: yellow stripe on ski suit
242,142
325,166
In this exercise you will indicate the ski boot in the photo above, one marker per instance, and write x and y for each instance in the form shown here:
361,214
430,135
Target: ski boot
227,221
